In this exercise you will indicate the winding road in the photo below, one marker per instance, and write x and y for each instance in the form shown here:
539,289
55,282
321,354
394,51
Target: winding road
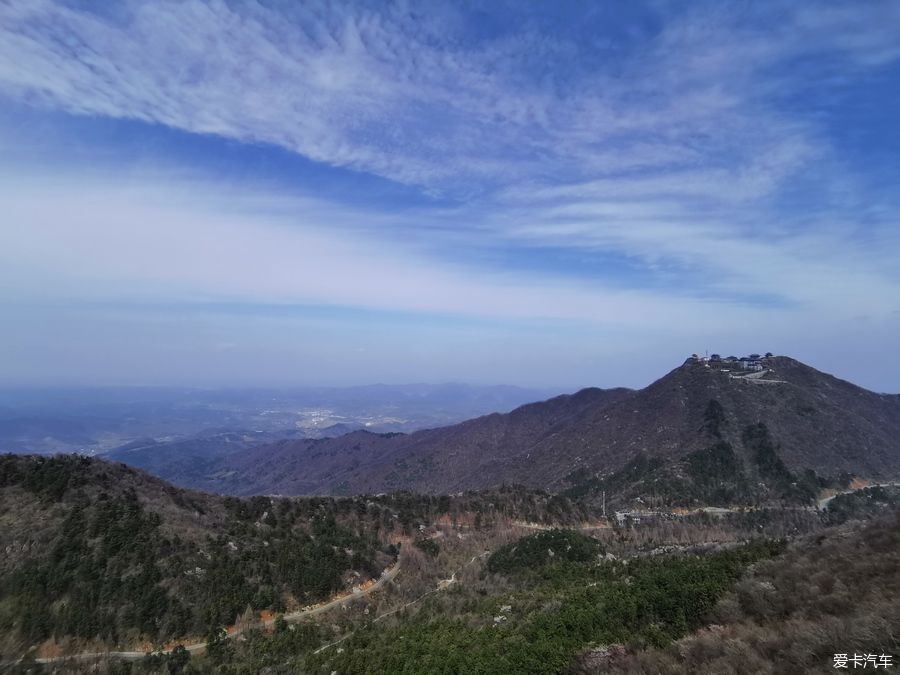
388,575
442,584
822,503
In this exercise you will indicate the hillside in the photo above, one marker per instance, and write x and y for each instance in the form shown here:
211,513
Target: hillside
548,603
810,420
100,555
835,593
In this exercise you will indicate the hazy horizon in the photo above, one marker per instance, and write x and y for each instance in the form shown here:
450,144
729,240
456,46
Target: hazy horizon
214,194
548,389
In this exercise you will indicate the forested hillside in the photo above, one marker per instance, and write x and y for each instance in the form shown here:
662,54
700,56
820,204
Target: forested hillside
556,607
103,554
833,593
104,557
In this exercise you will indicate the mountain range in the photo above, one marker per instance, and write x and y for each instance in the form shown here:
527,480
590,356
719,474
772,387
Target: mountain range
806,419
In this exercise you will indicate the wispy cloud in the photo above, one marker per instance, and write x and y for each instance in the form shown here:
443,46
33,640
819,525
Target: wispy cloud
412,99
109,241
697,146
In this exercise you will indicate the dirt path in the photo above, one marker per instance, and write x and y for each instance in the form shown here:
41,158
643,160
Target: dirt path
823,503
389,575
442,584
599,525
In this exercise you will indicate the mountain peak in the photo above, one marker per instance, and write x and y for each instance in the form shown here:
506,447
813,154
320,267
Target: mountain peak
812,420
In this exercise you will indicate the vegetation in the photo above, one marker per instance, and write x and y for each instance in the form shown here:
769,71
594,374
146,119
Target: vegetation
46,477
714,418
481,509
866,503
562,607
113,572
639,469
773,470
721,474
99,554
830,593
718,475
109,555
428,546
544,548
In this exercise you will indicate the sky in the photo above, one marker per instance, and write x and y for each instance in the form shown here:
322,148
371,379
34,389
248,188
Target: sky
543,194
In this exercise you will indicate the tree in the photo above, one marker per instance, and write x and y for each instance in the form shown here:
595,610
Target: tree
178,659
714,418
218,646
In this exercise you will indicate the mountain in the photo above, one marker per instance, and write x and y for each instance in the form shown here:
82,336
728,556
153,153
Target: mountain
767,424
475,453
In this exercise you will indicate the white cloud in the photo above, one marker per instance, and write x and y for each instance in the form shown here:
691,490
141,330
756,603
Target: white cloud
412,100
141,241
120,242
674,158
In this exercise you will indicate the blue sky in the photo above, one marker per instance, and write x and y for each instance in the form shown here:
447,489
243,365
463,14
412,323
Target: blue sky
540,194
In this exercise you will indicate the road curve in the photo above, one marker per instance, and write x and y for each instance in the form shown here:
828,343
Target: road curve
822,503
388,575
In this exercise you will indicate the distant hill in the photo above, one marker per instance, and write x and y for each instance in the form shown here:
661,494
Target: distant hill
783,420
188,456
18,433
104,419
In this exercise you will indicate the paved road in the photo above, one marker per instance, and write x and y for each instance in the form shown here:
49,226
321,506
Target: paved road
388,575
